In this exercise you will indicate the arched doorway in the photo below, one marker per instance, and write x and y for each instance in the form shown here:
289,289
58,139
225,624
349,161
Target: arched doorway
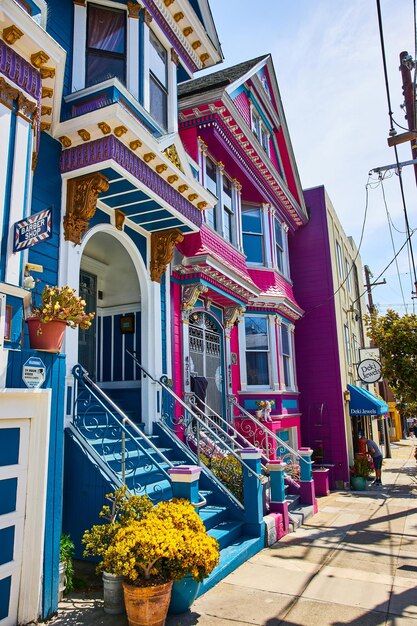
206,356
110,286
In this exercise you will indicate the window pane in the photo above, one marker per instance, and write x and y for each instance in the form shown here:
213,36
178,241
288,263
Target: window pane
227,189
287,371
251,221
158,105
256,330
227,224
106,29
285,338
158,60
257,368
101,67
210,217
278,235
253,247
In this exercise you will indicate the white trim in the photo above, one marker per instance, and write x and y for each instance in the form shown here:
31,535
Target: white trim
23,407
145,64
266,227
272,328
132,56
172,103
168,321
79,47
120,309
5,122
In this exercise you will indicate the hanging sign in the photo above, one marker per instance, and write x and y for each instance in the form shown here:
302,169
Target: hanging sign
369,371
33,373
32,230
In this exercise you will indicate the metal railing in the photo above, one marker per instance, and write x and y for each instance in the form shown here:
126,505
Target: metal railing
199,434
115,441
262,437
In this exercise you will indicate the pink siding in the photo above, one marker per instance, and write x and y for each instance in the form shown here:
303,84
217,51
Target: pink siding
272,284
177,345
272,155
241,102
189,140
286,163
234,347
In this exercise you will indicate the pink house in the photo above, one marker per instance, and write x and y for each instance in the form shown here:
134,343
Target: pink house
234,308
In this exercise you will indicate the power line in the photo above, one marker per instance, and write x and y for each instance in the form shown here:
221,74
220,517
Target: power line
392,132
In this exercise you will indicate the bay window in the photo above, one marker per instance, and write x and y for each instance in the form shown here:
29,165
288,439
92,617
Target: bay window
252,232
257,350
158,81
228,215
287,360
279,246
211,184
106,44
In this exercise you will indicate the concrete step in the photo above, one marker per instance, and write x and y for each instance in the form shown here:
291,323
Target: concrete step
300,515
226,532
293,501
212,515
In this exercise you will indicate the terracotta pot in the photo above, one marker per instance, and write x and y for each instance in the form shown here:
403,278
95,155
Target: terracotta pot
46,337
147,606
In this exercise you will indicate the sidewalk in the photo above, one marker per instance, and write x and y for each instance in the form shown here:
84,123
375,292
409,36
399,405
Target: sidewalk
354,563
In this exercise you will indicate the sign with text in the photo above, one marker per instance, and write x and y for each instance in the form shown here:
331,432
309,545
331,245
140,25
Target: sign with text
369,371
33,373
32,230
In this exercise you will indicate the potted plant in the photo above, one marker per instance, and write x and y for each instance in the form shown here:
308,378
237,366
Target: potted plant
59,307
360,471
66,567
151,548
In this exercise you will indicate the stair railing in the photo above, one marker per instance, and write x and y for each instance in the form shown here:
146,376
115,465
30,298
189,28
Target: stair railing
257,427
111,436
197,432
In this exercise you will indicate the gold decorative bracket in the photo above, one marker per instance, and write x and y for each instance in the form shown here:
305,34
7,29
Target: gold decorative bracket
82,195
162,250
172,154
190,295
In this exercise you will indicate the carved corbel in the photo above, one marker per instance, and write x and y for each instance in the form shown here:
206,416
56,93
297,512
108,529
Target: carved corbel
233,315
11,34
162,250
119,219
8,94
190,295
82,195
133,9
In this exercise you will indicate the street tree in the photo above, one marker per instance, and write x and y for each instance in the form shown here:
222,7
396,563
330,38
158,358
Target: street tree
396,337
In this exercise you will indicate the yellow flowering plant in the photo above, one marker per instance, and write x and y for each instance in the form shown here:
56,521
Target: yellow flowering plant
61,303
154,544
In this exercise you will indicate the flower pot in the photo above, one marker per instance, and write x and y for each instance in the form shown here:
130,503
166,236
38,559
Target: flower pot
321,481
184,592
46,337
114,603
147,606
358,483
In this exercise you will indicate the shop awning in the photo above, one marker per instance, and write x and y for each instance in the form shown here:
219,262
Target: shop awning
363,402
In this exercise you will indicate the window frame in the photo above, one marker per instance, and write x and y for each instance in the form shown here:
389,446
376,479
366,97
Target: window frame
348,347
106,53
287,358
266,385
282,254
339,260
348,269
153,78
245,209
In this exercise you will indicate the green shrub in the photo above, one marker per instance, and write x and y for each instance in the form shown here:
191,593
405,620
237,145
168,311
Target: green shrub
66,552
229,471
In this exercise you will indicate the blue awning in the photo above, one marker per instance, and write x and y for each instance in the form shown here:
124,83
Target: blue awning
363,402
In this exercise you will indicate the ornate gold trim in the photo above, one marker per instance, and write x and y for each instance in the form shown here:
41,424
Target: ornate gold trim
8,94
45,126
120,130
82,3
182,188
27,107
39,58
172,154
233,315
190,295
34,160
47,92
162,250
174,56
161,168
47,72
135,144
66,141
84,134
11,34
178,16
196,44
149,156
45,110
201,205
105,128
147,17
204,57
192,197
187,31
172,179
133,9
82,195
168,2
119,219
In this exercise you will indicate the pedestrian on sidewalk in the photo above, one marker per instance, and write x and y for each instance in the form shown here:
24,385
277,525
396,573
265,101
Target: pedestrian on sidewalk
376,455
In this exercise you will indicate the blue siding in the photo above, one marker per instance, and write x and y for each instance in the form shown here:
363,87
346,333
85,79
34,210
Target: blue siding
60,26
7,198
47,186
139,241
9,446
117,349
106,347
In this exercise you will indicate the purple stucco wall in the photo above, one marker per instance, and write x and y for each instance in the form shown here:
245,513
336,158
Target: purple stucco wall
318,368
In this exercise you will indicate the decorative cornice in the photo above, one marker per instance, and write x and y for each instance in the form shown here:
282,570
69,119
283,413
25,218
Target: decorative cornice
39,58
215,277
133,9
66,141
174,56
19,71
172,154
105,128
162,250
233,315
11,34
119,219
8,94
47,72
190,295
82,195
109,147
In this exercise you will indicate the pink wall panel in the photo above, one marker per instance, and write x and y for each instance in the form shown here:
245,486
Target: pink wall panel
242,104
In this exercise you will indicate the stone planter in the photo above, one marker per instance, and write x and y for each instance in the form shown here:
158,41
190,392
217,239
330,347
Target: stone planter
114,603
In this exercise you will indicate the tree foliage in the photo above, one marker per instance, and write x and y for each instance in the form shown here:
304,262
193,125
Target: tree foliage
396,337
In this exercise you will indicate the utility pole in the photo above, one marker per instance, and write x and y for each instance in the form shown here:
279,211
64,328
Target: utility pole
369,285
406,65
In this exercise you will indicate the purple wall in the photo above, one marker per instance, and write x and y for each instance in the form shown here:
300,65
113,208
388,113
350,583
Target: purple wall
317,358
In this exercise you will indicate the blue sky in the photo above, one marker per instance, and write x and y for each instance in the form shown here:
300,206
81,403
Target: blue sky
328,63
